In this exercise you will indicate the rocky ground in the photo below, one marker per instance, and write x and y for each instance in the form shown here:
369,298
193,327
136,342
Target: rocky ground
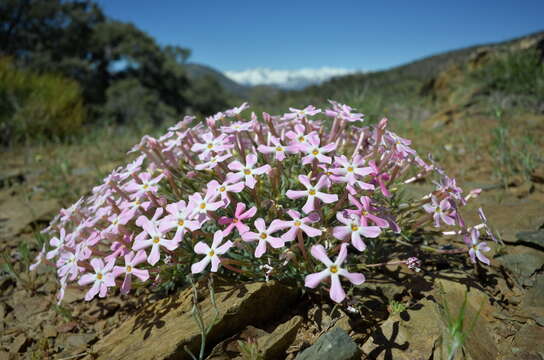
403,313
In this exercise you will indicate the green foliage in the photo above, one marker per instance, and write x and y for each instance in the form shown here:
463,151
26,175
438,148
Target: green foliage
517,73
123,73
513,155
37,105
457,328
396,307
129,102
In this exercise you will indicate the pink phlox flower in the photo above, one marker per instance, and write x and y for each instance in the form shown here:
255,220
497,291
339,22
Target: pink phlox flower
299,114
146,185
276,148
449,186
334,270
440,211
181,218
102,279
176,142
211,253
298,138
400,145
38,259
237,127
329,176
67,264
264,236
67,214
155,219
343,112
247,172
187,119
315,152
132,259
237,221
211,144
312,193
476,249
298,224
380,178
226,187
201,205
132,168
57,243
348,171
365,210
142,145
154,238
235,111
131,208
116,221
486,225
120,247
213,162
353,228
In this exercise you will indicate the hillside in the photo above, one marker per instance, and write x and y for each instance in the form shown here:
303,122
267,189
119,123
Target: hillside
198,71
405,83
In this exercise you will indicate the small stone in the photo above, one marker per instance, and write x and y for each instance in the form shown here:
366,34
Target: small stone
79,341
20,343
273,346
334,345
49,331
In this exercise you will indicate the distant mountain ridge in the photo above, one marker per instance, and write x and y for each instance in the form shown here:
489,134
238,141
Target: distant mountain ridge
294,79
195,71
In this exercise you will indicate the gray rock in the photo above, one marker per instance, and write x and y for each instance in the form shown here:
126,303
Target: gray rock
334,345
523,264
532,237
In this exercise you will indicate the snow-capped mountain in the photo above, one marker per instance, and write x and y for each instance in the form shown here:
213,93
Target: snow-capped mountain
287,79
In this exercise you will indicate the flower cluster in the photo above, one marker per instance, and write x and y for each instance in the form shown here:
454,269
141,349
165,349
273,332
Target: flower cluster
243,195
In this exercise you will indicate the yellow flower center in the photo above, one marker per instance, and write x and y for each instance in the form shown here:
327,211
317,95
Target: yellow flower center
181,222
99,276
350,169
333,269
311,192
210,146
222,189
354,227
235,220
203,205
297,223
279,148
156,240
145,186
247,172
301,139
364,212
129,268
211,253
315,151
263,236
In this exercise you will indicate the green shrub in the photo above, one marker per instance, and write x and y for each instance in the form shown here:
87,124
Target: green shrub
37,105
128,102
518,73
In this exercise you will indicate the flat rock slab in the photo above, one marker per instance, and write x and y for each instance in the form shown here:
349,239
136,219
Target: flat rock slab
162,329
16,215
420,333
334,345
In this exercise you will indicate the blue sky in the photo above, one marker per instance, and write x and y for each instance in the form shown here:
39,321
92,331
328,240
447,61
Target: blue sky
367,35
